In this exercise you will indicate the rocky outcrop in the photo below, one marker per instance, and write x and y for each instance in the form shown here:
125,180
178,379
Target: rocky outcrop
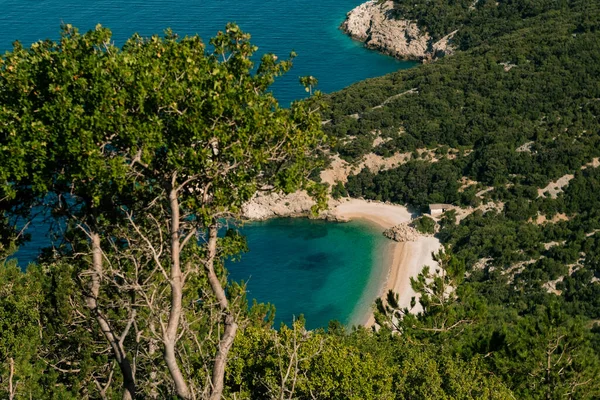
443,47
376,25
265,206
339,170
298,204
402,233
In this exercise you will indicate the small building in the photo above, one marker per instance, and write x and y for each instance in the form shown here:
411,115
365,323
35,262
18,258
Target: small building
435,210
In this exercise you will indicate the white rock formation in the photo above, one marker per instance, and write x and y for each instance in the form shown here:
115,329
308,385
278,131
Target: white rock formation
272,205
375,24
298,204
402,233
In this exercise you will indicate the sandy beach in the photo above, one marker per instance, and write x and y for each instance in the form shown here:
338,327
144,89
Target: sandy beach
405,260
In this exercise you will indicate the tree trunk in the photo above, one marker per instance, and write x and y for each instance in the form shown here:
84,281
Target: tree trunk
92,303
11,390
218,375
176,282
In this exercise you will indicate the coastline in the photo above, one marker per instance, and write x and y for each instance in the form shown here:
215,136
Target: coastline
402,260
380,28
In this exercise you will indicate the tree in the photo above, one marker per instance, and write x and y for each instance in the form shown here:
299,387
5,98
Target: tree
548,355
144,151
19,332
424,224
438,297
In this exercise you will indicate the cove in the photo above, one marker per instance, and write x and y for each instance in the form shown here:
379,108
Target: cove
309,27
324,270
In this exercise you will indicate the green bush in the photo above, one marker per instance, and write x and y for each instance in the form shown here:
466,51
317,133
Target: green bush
424,225
338,190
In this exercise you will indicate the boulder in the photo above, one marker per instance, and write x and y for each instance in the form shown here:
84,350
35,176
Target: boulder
402,233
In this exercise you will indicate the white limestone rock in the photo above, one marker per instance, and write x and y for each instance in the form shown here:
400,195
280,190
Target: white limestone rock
376,25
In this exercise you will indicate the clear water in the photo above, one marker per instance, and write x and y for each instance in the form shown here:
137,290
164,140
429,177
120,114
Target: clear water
309,27
322,270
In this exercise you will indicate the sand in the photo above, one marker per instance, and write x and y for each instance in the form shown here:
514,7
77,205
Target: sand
404,260
384,215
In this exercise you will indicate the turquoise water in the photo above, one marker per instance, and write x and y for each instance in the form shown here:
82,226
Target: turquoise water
321,269
309,27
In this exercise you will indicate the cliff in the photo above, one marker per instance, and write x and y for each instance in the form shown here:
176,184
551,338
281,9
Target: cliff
377,26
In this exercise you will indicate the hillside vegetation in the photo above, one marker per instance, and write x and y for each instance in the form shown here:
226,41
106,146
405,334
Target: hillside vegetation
507,129
512,312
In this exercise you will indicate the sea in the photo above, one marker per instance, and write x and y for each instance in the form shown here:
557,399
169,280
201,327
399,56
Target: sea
308,27
321,270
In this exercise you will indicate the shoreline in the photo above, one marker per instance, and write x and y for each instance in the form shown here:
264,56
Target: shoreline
402,260
399,262
376,25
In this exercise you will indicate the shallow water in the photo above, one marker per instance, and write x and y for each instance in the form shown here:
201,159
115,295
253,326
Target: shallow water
324,270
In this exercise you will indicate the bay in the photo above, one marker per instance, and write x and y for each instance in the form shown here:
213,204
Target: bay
323,270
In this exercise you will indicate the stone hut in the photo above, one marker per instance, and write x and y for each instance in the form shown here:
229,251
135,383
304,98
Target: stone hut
435,210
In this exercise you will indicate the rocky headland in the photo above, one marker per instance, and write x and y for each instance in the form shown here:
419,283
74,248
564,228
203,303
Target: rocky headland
380,28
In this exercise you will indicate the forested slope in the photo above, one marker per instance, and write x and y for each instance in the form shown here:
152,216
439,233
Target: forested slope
507,130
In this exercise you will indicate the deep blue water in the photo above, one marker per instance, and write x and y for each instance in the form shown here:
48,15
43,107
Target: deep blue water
323,270
309,27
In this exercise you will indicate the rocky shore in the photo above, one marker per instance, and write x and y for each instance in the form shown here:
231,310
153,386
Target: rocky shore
273,205
297,204
376,25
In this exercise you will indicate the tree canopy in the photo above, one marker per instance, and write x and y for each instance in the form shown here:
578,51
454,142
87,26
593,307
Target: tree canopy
141,151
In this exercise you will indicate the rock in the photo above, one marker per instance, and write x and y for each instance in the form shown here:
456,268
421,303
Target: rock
402,233
443,47
376,25
334,218
265,206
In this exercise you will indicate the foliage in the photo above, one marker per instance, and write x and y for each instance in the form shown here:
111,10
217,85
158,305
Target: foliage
435,17
109,133
355,365
138,151
418,183
19,331
424,224
338,190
